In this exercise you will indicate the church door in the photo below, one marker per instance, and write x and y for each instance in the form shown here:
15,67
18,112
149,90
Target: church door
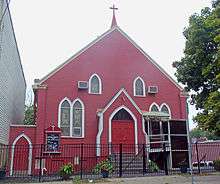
123,132
20,161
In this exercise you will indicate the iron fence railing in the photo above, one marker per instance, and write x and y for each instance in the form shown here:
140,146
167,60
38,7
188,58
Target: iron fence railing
37,163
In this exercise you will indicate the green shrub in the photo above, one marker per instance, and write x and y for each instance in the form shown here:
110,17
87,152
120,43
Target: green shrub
152,166
104,165
66,171
217,164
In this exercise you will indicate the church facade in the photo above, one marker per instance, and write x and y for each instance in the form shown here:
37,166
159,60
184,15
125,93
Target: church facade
109,93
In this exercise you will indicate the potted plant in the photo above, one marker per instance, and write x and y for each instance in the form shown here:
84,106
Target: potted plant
66,171
2,172
216,164
104,167
183,166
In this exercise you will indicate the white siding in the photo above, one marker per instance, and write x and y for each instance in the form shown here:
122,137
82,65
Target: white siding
12,82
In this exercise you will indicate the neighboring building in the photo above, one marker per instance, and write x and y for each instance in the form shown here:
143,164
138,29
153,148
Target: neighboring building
12,81
109,93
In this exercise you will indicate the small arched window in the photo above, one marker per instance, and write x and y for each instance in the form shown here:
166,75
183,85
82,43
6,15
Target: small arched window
78,118
122,115
154,108
139,87
95,85
165,109
65,118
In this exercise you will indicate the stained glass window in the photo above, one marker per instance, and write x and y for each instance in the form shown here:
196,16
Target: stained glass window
139,88
94,85
65,118
77,119
165,109
154,108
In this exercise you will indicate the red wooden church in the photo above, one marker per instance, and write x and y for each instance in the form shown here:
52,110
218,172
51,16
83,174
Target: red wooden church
111,92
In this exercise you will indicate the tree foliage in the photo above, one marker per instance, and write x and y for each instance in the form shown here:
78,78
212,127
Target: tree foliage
199,133
199,69
29,115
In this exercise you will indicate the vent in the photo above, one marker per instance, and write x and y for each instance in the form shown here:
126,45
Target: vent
152,89
82,85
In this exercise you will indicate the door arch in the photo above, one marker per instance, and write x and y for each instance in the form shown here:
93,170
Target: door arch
21,147
134,121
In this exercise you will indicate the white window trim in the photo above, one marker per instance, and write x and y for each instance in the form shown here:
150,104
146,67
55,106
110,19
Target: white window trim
83,118
154,103
134,89
164,104
71,117
59,114
100,84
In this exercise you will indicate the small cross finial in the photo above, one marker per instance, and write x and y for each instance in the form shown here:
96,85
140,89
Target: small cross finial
114,22
113,8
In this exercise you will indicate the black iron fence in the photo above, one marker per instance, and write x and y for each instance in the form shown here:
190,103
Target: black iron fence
36,162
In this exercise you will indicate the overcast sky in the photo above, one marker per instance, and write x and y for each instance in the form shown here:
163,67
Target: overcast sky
50,31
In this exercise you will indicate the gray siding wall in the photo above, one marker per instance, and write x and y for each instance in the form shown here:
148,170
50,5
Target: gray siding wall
12,82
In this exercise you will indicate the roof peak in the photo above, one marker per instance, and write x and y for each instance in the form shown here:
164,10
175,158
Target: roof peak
114,22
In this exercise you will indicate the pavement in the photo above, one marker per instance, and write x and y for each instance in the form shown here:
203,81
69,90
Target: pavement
213,178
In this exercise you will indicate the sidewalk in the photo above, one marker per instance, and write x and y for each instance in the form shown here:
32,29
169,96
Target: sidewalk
175,179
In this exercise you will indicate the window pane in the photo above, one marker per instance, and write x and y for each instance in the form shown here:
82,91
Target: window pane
95,85
139,88
122,115
165,109
65,118
154,108
77,119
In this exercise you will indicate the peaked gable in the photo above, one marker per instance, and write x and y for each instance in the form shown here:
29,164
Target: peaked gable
107,33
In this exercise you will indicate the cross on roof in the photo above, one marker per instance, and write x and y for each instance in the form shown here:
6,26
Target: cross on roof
113,8
114,22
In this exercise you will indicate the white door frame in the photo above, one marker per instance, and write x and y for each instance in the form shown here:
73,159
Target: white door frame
135,126
13,152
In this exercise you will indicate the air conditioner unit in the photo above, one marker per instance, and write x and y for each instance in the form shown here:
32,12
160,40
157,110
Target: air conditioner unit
152,89
82,85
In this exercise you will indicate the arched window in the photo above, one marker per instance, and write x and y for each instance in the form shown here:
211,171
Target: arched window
78,119
154,108
165,109
122,115
95,85
139,87
65,118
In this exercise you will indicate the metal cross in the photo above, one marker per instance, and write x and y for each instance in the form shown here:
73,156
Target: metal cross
113,8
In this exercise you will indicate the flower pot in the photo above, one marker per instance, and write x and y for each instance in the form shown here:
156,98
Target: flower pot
183,168
2,174
104,173
66,176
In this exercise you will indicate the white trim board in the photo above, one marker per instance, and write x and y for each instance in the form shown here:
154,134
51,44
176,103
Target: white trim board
100,38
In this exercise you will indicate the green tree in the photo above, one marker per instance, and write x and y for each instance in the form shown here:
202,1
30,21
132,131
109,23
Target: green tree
199,69
29,115
199,133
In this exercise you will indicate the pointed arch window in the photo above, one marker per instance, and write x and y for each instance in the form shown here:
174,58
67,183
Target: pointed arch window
139,87
154,108
77,125
65,118
95,85
165,109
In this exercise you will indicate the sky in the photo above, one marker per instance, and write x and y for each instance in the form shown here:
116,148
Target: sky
49,32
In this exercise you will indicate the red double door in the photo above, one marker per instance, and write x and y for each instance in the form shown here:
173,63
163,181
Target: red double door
123,133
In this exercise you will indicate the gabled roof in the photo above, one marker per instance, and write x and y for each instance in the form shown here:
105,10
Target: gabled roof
100,38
